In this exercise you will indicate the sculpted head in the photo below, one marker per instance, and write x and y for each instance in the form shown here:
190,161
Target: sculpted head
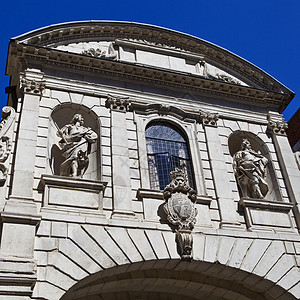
245,144
77,118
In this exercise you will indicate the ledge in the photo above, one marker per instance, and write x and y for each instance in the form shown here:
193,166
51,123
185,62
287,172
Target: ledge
265,204
77,183
263,215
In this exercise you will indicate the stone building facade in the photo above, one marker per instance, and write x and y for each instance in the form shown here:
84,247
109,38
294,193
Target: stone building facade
99,114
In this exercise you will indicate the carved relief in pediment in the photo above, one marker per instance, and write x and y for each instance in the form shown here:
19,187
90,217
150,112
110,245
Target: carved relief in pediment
96,49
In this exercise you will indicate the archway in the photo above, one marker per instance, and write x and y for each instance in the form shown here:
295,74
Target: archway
174,279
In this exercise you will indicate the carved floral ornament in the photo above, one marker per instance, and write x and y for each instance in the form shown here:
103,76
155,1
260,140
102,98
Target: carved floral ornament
180,210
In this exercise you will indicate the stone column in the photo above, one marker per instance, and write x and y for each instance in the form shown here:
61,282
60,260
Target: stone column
287,161
121,182
227,206
19,216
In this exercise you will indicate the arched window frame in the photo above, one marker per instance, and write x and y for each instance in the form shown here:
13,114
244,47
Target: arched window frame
189,129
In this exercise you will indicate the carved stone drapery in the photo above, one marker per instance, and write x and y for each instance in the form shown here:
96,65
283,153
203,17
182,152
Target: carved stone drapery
181,211
5,140
75,144
32,86
250,171
208,118
118,103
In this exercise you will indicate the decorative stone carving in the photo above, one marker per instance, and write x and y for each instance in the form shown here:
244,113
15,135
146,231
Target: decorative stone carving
5,141
32,86
227,78
250,171
118,103
111,53
181,211
75,144
209,118
223,77
277,126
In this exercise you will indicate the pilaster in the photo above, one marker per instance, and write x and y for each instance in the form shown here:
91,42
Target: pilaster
277,128
227,206
19,216
122,198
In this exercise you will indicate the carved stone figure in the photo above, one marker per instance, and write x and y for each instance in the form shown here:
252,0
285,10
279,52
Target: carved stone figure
250,171
181,211
75,143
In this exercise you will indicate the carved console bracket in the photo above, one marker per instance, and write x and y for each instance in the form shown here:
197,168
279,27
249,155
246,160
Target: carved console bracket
181,212
8,114
32,86
209,119
117,103
276,124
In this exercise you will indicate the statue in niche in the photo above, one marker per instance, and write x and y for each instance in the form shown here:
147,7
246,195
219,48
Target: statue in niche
75,144
250,170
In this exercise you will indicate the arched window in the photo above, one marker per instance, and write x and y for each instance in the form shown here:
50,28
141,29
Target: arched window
167,149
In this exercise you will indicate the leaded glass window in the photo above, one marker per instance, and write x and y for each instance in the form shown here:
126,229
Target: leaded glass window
167,149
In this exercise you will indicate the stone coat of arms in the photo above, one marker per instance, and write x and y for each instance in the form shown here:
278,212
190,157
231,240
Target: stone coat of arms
180,210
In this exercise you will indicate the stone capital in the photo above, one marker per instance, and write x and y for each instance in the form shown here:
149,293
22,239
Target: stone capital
33,87
276,124
118,103
208,118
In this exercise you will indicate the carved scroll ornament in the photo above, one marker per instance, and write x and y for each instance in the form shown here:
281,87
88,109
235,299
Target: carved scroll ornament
181,211
8,114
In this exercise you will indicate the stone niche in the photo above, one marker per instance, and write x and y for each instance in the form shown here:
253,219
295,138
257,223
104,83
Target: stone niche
267,212
73,193
61,116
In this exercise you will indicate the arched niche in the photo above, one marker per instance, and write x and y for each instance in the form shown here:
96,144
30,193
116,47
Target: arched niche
234,144
62,115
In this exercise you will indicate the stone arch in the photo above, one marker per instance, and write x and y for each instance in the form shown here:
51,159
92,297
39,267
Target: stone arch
93,257
60,116
234,142
174,279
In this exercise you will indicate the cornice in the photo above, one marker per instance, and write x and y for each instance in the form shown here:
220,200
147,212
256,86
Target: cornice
91,30
147,74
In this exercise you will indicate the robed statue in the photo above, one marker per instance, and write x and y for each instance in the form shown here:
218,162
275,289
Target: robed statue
75,144
250,170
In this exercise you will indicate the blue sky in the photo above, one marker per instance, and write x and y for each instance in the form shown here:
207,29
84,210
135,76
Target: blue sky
264,32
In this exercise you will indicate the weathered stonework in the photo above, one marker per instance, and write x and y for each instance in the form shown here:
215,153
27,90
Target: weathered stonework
106,233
